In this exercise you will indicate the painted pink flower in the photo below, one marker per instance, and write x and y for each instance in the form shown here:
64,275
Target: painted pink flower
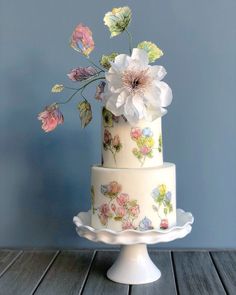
126,224
116,141
145,150
51,117
114,187
81,74
135,133
164,224
82,40
107,137
99,95
122,199
120,211
113,207
134,211
104,213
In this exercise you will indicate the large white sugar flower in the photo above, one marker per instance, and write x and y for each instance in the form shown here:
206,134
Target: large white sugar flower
135,89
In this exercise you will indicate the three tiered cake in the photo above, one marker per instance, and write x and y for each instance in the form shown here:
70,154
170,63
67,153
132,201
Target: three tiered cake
133,189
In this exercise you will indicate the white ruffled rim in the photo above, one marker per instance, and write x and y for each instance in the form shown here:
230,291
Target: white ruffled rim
82,220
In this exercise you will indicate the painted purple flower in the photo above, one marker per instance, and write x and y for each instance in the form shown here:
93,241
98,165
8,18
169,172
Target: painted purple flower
155,193
82,40
99,95
145,224
81,74
168,196
51,117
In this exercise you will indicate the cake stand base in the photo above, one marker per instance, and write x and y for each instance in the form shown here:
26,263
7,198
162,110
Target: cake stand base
133,266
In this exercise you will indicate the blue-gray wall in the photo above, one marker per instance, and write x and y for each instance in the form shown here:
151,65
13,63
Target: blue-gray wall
44,178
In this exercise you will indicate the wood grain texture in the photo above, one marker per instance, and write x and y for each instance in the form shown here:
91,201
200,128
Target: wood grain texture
97,282
225,262
7,257
23,275
166,284
196,274
67,274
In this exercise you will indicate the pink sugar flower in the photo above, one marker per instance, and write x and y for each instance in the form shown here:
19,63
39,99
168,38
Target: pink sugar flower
82,40
134,211
81,74
122,199
126,224
135,133
145,150
104,213
51,117
121,211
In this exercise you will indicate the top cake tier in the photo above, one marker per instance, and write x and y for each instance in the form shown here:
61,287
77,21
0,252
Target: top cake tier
126,146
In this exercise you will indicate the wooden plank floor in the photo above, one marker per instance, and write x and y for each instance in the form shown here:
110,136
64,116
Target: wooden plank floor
84,272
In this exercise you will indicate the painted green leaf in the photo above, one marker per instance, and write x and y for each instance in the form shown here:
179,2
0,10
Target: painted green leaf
133,203
165,211
117,218
85,113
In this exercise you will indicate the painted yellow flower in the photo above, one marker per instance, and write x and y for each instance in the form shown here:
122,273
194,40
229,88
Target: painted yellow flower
162,189
149,142
152,50
117,20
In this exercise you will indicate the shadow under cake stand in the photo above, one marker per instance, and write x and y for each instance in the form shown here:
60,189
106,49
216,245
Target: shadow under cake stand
133,255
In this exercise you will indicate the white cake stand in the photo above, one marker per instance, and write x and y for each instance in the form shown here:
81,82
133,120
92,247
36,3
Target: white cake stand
133,265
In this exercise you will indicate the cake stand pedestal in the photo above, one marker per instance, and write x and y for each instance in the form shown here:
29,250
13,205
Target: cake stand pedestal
133,255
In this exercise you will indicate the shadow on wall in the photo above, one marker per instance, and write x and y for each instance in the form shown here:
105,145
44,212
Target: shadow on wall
42,183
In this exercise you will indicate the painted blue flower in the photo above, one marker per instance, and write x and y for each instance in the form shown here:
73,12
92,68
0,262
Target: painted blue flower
145,224
147,132
168,196
104,189
155,193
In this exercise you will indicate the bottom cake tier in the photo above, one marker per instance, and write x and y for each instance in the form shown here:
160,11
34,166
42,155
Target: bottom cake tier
140,199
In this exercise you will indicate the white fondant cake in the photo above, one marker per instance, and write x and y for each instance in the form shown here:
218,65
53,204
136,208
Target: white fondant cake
133,189
135,198
126,146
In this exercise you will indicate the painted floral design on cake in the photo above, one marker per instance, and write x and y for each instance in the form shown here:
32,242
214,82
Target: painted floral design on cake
111,143
163,206
109,119
119,207
145,224
145,143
